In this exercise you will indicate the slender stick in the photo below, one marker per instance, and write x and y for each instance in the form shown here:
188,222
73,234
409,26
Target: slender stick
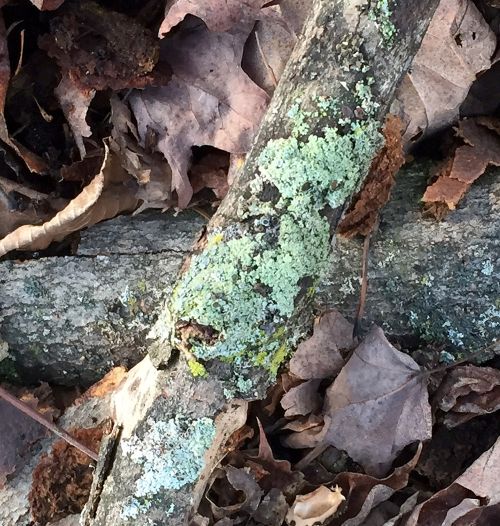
364,286
35,415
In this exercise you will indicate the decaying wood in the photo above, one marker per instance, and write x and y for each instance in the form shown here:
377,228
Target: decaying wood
162,465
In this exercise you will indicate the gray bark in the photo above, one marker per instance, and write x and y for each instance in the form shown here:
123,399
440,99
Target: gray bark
427,280
69,320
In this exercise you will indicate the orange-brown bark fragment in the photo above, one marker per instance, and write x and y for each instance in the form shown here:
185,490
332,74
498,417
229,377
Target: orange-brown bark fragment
466,164
362,216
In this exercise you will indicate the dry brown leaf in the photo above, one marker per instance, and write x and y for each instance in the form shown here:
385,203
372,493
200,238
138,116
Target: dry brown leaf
150,169
481,482
33,162
209,101
364,493
376,191
319,356
469,162
211,172
468,391
302,399
47,5
75,101
315,507
218,15
62,479
105,197
377,405
458,45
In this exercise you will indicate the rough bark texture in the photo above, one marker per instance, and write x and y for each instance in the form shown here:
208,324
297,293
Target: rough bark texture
436,281
240,302
69,320
426,279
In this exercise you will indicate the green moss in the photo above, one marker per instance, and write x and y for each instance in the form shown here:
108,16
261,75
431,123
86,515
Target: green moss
245,283
8,371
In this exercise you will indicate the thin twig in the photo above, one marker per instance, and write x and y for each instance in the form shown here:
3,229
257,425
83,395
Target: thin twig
21,54
312,455
35,415
364,287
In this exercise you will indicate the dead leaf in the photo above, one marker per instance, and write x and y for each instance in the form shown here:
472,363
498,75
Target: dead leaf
362,216
211,172
468,391
481,482
267,51
302,399
457,46
105,197
319,356
271,473
18,432
315,507
242,481
377,405
150,169
209,101
33,162
62,479
75,101
218,16
47,5
364,493
272,509
469,162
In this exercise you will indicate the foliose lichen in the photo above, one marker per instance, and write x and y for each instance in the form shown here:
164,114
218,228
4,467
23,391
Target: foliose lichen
245,283
171,455
381,13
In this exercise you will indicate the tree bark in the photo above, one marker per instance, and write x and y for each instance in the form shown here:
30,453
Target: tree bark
242,300
69,320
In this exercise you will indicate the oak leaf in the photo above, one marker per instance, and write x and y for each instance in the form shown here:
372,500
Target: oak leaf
457,46
209,101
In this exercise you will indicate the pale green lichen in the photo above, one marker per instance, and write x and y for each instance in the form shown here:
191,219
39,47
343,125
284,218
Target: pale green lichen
245,283
381,14
171,454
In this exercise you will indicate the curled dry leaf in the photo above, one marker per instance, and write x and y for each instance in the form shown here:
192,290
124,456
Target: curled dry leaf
209,101
473,492
316,507
33,162
362,216
302,399
468,391
105,197
468,162
364,493
458,45
272,509
377,405
75,101
218,15
319,356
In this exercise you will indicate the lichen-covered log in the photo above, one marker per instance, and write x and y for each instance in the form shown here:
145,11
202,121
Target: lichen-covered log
436,281
241,301
69,320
